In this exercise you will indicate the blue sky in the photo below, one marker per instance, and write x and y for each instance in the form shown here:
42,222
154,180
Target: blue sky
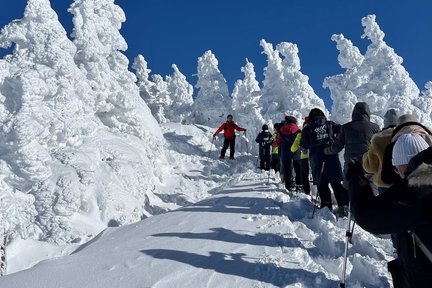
179,31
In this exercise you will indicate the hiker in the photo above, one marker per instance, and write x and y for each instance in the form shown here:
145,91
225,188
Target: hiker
275,165
355,136
287,133
264,141
229,128
404,209
302,163
326,169
405,124
373,158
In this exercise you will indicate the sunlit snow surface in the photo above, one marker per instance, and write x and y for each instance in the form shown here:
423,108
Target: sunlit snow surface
237,229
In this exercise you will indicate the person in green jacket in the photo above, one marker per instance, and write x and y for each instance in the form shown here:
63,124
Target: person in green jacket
302,162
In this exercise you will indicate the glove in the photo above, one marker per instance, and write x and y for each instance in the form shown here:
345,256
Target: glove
214,135
354,169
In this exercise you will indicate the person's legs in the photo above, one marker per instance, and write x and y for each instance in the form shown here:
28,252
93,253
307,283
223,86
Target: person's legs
232,148
287,164
267,163
341,194
297,171
275,162
224,148
304,172
325,196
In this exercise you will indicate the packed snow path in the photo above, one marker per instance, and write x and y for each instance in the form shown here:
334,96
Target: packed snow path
249,234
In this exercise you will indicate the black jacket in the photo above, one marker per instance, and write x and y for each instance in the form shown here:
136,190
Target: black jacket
264,141
406,206
355,136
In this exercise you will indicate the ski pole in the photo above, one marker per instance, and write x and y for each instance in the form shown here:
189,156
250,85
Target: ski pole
348,239
211,146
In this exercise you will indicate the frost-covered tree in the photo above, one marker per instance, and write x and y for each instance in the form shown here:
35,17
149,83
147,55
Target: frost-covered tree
130,144
62,163
154,92
424,103
181,93
46,111
245,98
286,89
377,78
99,42
161,99
142,73
212,103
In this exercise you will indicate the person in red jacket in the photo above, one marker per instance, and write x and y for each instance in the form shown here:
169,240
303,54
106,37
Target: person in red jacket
229,128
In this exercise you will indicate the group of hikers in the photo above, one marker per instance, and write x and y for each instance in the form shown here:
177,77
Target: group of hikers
385,182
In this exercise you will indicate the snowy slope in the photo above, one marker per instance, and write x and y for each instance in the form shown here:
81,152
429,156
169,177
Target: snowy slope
245,232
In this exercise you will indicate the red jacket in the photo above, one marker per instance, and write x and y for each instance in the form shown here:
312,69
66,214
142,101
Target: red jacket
229,129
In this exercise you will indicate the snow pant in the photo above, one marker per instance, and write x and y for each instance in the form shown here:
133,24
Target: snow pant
286,169
265,162
301,168
275,162
231,144
339,191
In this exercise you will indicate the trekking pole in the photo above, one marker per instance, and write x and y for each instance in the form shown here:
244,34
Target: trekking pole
211,146
247,144
315,205
348,239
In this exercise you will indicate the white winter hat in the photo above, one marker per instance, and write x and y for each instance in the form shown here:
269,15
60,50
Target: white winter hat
406,147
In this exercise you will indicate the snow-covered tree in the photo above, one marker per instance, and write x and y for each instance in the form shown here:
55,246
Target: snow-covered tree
286,90
181,93
154,92
245,97
377,78
142,73
130,144
100,44
77,144
424,103
212,103
46,110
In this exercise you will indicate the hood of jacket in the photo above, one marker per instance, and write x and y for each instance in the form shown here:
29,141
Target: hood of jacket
317,121
361,112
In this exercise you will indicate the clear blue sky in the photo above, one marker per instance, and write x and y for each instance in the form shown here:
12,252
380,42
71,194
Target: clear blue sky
179,31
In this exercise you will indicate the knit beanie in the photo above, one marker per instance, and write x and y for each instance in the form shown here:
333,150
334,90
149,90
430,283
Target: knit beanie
406,147
390,118
406,118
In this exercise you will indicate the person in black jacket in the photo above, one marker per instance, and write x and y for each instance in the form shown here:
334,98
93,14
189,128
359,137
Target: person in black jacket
326,169
264,141
403,209
355,136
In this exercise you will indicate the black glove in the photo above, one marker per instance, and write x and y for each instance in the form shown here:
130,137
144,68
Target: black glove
354,169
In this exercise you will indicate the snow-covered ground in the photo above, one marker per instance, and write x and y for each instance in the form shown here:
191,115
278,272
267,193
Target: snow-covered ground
231,226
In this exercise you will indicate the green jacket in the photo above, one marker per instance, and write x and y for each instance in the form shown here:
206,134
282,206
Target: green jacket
296,145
